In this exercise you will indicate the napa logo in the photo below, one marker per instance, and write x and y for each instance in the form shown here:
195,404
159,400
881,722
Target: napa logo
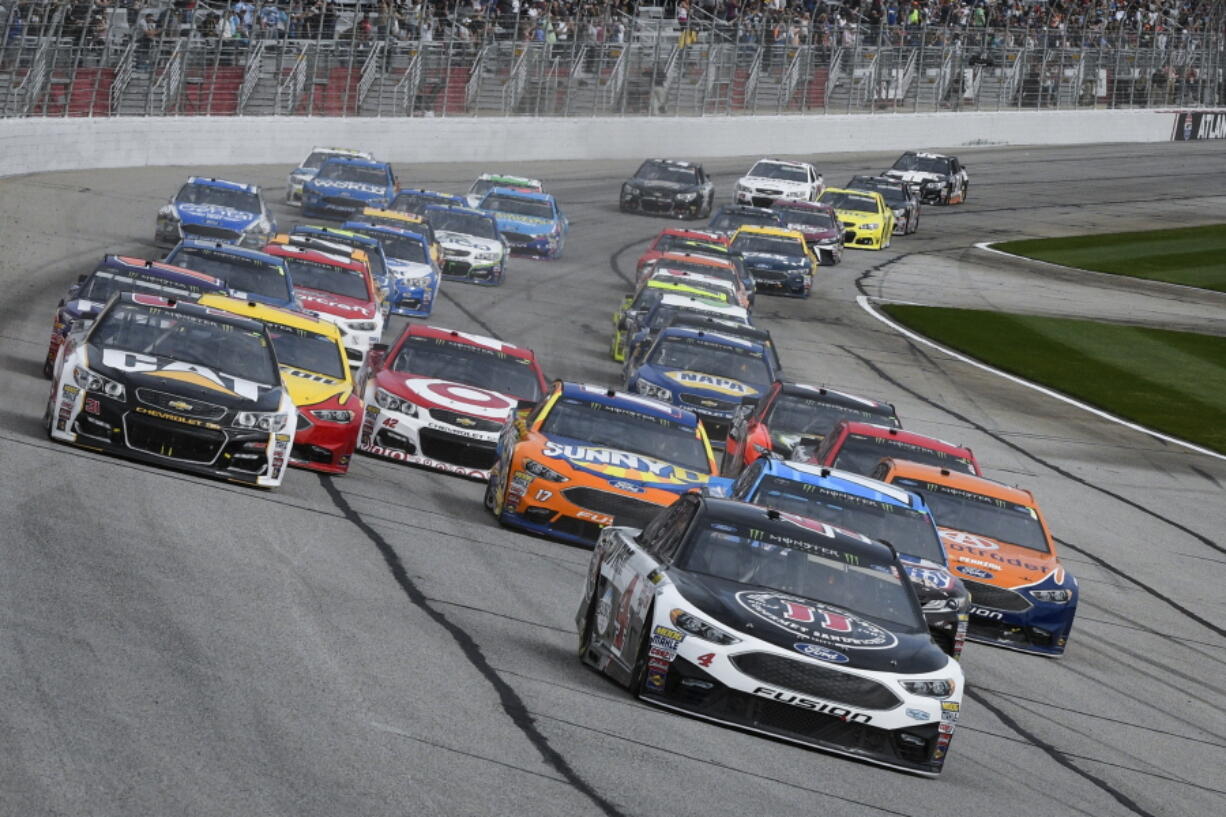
622,465
711,382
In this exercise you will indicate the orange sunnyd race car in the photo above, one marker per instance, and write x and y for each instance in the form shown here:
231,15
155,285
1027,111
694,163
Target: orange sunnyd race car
999,544
587,457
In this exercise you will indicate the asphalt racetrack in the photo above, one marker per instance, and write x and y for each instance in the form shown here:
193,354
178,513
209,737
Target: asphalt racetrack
376,645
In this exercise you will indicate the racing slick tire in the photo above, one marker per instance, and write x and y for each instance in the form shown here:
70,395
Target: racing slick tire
638,673
493,495
589,624
915,229
966,191
946,195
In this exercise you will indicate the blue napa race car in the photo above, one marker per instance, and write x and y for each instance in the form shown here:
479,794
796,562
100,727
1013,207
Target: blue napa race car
217,210
531,223
707,367
415,201
875,509
345,185
414,276
118,273
249,274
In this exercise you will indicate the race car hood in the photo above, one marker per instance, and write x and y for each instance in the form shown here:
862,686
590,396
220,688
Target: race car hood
213,215
625,470
308,388
403,270
467,242
760,182
725,388
914,176
192,383
359,190
857,217
991,561
528,225
430,392
329,304
773,261
812,233
758,612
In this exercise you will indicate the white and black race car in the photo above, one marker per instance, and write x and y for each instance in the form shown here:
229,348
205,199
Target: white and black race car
772,623
778,180
935,178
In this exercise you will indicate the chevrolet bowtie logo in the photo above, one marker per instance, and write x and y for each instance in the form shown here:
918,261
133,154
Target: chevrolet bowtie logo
179,405
465,421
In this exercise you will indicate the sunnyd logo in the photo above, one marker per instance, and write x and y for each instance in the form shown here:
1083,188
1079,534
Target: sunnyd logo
622,464
815,621
711,382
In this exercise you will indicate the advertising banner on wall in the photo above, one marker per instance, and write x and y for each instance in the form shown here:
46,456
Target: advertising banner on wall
1193,126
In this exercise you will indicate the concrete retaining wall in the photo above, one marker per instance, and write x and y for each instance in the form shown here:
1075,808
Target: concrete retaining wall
38,145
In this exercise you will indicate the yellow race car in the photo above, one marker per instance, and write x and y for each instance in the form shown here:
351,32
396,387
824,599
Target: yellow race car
868,222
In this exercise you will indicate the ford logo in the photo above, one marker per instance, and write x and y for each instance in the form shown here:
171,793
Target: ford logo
820,653
975,572
623,485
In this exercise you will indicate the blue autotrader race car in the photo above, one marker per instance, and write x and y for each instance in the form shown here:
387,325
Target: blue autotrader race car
708,370
218,210
249,274
117,273
531,223
414,275
344,185
881,512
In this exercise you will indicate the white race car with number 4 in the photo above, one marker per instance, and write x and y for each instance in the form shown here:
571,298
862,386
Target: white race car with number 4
772,623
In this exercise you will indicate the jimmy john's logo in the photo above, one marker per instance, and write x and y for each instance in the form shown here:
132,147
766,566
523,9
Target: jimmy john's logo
623,465
191,373
711,382
815,621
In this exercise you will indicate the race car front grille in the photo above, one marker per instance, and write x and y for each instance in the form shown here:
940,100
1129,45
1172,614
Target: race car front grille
768,274
656,205
203,231
998,598
457,450
518,238
809,679
579,528
343,201
455,418
454,267
708,403
186,407
172,440
760,200
625,510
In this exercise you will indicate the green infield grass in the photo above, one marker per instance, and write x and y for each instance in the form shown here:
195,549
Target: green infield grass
1173,382
1195,256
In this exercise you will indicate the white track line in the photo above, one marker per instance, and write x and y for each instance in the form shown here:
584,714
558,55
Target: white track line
867,306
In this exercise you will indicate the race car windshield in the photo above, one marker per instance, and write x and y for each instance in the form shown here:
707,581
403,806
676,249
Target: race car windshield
373,259
861,453
470,365
414,203
849,201
729,222
105,283
659,172
303,349
402,248
773,170
908,530
241,274
808,416
665,313
459,221
892,193
625,429
806,563
221,348
512,205
721,273
328,278
207,195
821,219
922,164
766,245
345,172
676,243
316,159
717,359
984,515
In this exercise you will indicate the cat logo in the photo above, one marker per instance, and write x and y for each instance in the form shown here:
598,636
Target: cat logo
179,405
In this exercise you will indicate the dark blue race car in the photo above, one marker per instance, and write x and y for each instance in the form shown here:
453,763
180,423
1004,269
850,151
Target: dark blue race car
344,185
249,274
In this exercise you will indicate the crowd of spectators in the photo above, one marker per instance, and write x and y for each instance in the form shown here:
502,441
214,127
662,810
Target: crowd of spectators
1080,22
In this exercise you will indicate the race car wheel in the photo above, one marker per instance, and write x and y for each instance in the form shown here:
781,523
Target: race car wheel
946,195
495,495
915,228
589,624
966,191
638,675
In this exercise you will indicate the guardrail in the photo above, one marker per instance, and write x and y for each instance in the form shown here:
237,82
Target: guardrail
370,72
251,74
289,91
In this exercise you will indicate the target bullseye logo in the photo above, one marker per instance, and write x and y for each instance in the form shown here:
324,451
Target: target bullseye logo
467,399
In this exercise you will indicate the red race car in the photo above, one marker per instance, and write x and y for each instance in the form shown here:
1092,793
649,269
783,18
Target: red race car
679,240
792,415
858,447
820,225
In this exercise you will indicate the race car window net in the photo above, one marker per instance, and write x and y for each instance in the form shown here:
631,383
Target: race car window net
104,283
728,222
514,206
809,218
657,172
241,273
303,349
328,278
850,201
860,453
627,430
773,170
471,365
695,355
457,221
218,197
401,248
984,515
794,414
345,172
922,164
173,335
805,563
768,245
908,530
